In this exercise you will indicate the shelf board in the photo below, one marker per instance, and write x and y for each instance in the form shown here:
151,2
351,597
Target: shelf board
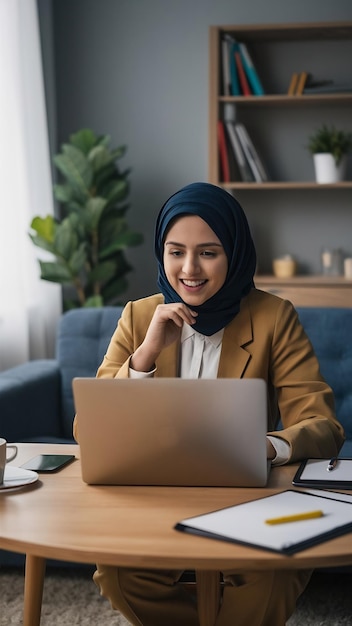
291,101
287,185
295,31
304,279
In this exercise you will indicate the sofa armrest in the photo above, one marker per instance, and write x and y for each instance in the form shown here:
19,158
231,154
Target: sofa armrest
30,401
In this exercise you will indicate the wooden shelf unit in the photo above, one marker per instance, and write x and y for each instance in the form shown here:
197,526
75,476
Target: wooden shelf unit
327,291
270,40
296,33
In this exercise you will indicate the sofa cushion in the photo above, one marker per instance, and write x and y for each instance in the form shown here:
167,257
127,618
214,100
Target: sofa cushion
82,339
330,331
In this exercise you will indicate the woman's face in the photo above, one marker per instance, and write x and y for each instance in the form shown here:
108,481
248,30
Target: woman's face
195,262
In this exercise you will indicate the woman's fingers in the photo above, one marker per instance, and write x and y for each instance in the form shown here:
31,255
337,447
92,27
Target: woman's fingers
177,312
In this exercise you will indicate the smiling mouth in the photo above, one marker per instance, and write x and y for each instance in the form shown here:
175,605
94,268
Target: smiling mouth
193,283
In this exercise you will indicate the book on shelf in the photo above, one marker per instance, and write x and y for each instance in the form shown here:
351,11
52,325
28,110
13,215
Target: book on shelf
239,75
226,84
224,160
231,86
320,82
253,78
293,84
235,88
302,79
246,90
328,87
259,172
298,83
235,174
243,166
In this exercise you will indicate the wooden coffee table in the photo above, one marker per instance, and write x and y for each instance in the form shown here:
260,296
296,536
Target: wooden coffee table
58,517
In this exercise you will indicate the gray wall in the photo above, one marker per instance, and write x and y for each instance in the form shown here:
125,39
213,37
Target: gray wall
138,70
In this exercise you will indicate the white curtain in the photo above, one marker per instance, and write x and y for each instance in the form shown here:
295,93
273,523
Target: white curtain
29,307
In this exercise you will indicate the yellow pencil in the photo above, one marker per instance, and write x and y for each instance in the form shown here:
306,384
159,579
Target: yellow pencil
294,518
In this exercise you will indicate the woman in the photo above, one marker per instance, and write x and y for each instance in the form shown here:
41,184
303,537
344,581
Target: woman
209,321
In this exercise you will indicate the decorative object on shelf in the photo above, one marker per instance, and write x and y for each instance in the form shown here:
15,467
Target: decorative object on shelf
89,240
347,265
329,148
331,261
285,266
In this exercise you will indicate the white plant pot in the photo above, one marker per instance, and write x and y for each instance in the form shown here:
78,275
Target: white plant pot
326,170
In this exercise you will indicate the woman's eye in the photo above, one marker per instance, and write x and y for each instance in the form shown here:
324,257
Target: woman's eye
208,253
176,252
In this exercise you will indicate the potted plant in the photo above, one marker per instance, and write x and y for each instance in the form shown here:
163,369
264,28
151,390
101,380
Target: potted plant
329,148
88,242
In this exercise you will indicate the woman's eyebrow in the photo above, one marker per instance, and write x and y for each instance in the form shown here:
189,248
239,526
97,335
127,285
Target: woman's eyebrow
199,245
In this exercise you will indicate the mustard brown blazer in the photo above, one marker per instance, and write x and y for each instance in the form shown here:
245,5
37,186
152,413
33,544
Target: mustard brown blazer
265,340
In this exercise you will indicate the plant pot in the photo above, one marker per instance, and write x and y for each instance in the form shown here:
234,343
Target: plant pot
326,170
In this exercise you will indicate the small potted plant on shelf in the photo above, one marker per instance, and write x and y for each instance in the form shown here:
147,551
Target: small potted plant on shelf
329,148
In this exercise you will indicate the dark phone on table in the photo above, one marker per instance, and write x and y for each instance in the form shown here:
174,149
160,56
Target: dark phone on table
48,462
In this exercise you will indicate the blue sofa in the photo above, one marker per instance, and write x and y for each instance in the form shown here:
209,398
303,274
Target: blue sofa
36,402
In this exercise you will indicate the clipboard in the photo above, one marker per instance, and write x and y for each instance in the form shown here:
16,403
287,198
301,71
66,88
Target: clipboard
245,523
313,473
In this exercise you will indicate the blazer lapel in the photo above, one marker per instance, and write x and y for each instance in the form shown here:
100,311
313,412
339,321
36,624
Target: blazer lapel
234,356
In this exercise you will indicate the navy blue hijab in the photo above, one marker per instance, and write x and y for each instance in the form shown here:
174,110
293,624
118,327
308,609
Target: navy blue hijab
226,218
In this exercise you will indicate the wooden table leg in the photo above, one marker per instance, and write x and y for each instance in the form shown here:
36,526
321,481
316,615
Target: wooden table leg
208,596
33,589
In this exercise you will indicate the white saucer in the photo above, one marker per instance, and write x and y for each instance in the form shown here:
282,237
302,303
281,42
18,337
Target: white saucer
15,477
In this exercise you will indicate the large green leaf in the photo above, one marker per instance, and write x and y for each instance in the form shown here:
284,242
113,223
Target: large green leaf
112,225
78,259
55,272
44,227
94,208
63,193
66,240
77,222
74,165
84,140
100,157
102,272
42,243
124,240
116,191
103,140
104,176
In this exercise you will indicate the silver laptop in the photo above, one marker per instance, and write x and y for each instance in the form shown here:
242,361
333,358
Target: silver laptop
172,431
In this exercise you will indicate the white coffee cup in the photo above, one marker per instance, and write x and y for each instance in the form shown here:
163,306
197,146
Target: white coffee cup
5,457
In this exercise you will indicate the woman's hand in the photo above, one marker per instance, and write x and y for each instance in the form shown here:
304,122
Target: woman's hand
164,329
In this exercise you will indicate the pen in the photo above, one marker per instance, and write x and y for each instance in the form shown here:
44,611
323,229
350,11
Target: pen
332,464
294,518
